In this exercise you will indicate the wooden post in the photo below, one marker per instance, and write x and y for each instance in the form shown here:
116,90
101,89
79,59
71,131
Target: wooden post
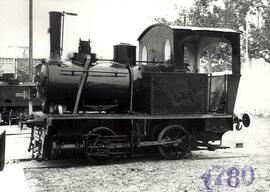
247,34
30,39
30,103
2,149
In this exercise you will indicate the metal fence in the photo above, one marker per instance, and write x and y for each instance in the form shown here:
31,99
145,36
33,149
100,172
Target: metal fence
8,66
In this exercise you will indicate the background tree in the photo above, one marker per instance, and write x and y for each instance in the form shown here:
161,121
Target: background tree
259,37
231,14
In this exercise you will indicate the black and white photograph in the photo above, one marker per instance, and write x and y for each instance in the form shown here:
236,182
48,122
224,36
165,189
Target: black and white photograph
134,96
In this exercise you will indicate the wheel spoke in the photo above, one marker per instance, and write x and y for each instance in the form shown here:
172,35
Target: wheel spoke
176,152
96,149
177,134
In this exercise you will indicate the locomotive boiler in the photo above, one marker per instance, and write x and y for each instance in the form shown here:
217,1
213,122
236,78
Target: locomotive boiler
108,82
107,85
104,108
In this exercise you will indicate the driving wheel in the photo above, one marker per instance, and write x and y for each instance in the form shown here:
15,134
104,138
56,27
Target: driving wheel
176,142
96,143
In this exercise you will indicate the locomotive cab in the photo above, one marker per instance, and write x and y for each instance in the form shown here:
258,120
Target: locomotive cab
176,80
179,52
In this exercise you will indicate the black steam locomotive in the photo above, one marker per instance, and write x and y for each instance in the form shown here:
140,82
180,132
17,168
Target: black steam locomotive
102,108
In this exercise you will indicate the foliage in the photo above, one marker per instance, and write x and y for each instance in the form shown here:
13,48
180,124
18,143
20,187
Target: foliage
229,14
213,58
259,38
23,68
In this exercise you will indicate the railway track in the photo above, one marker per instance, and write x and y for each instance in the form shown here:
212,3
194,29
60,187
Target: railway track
29,163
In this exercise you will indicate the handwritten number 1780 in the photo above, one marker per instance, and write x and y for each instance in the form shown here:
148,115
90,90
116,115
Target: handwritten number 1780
233,176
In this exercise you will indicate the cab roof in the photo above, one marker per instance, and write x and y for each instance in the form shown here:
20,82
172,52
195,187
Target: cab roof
189,29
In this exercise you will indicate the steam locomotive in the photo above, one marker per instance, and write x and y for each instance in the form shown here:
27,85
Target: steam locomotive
103,108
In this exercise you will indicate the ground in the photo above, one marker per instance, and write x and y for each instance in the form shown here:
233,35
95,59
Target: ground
200,171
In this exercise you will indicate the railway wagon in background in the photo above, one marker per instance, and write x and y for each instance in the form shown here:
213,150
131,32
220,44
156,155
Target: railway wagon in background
166,100
14,101
15,90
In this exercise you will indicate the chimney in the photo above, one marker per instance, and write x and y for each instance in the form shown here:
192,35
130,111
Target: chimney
55,35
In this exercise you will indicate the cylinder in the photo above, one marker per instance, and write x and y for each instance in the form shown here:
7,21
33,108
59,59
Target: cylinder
55,35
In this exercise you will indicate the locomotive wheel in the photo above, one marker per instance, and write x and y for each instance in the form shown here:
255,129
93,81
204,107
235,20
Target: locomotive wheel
178,149
95,148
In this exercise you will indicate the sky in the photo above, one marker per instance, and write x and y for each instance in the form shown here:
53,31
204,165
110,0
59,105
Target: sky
105,22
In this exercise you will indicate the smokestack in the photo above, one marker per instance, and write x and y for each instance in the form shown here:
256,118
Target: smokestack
55,35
